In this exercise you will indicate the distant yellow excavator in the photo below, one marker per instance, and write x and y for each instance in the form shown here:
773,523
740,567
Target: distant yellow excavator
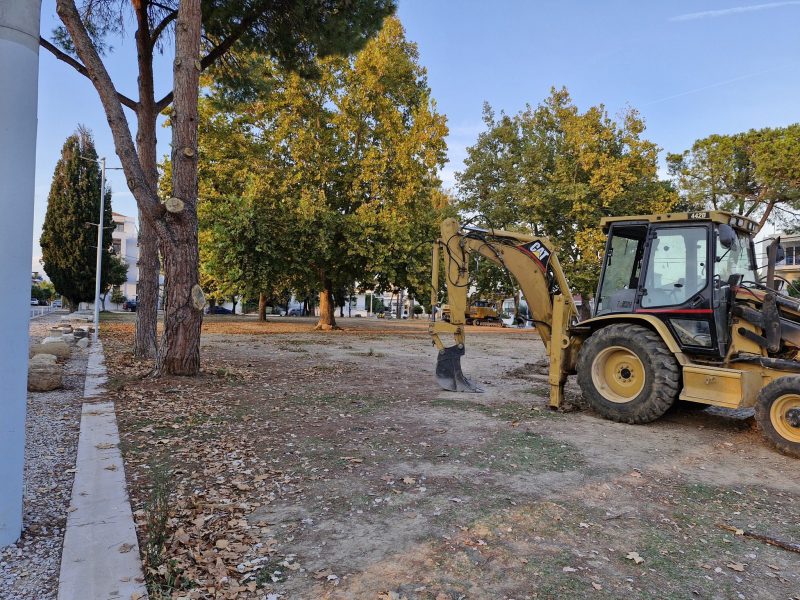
480,312
680,314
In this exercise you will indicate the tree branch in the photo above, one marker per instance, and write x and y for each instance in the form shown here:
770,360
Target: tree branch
164,102
63,56
159,29
215,53
767,213
225,44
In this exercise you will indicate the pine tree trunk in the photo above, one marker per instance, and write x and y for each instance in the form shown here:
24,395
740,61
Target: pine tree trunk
179,353
145,338
327,308
177,231
262,307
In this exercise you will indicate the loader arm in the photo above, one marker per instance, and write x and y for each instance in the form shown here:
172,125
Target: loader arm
532,261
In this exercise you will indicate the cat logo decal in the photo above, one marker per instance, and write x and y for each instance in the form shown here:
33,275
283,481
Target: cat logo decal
537,251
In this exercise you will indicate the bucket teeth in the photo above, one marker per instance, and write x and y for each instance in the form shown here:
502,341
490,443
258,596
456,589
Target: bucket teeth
449,374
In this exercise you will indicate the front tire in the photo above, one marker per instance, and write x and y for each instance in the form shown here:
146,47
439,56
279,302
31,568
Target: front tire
778,414
628,374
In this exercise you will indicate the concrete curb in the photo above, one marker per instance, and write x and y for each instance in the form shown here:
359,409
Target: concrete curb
100,559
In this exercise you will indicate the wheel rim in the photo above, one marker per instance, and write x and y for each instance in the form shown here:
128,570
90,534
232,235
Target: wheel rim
778,416
618,374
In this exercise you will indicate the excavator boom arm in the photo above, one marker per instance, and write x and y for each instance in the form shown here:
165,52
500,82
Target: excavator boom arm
533,263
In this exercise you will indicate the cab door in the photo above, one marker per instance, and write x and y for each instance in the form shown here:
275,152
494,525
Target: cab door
676,284
619,278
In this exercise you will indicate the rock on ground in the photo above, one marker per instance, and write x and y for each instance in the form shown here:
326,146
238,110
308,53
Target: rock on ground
44,374
58,348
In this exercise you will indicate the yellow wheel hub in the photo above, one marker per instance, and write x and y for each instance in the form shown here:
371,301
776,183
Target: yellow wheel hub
779,416
618,374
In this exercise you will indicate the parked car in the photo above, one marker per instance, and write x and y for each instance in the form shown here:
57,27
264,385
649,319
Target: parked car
295,312
56,303
130,305
219,310
34,302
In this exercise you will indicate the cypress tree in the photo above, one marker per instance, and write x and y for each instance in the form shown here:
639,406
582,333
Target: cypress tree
69,240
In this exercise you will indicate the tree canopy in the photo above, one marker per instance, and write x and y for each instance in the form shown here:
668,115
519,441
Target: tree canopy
292,33
69,240
554,170
755,173
325,182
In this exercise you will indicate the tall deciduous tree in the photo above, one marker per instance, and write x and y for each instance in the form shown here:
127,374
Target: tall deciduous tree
293,32
553,170
247,235
753,173
339,178
69,241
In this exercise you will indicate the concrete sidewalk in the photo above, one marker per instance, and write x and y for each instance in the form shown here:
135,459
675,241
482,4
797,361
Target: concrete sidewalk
100,560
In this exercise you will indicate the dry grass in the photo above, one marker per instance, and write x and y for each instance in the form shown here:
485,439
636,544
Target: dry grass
328,465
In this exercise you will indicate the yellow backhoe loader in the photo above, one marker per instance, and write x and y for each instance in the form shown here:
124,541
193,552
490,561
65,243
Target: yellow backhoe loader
680,314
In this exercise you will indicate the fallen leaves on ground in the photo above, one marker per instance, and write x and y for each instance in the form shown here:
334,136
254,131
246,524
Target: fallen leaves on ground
634,556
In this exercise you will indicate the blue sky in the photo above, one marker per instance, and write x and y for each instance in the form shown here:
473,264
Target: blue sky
690,68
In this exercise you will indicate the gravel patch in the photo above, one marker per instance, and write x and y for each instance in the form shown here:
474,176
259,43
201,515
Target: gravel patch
29,569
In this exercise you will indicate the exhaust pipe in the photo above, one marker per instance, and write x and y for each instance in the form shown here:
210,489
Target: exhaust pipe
448,371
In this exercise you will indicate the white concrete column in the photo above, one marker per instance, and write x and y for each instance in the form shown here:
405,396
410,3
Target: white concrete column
19,79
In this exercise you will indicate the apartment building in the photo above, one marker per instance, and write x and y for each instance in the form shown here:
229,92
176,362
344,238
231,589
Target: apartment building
126,245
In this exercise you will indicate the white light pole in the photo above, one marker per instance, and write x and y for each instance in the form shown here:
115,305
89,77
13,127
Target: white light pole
19,79
100,226
99,263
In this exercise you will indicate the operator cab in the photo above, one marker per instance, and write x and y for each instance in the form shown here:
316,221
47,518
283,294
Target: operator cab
679,268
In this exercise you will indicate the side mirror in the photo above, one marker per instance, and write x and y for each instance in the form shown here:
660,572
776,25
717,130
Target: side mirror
727,236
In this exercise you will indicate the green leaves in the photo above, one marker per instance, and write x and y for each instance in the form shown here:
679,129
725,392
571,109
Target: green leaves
333,178
69,240
552,170
751,173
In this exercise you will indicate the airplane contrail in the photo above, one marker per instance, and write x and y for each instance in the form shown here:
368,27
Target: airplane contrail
718,84
710,14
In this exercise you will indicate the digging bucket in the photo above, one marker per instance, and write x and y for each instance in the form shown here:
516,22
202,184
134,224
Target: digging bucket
449,374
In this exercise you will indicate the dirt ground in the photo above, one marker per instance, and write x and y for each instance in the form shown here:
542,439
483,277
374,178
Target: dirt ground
330,465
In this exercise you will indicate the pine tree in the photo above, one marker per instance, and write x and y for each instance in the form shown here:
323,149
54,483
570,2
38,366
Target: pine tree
69,240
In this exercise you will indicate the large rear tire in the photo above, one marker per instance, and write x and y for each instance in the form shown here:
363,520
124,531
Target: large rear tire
628,374
778,414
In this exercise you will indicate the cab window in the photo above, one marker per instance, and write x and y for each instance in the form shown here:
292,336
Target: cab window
622,269
677,267
736,260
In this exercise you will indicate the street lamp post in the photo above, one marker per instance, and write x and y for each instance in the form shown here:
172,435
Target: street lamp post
100,226
99,263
